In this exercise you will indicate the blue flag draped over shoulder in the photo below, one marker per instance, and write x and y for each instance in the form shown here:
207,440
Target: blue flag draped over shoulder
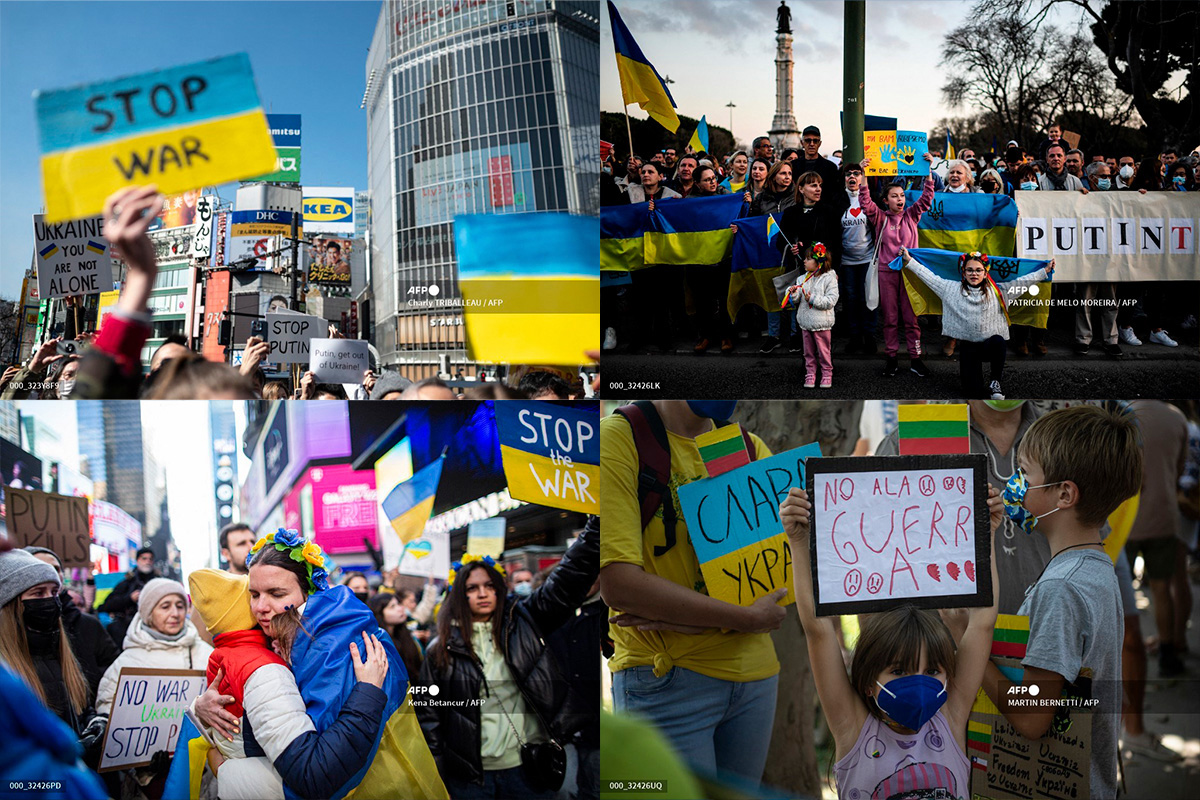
399,766
755,262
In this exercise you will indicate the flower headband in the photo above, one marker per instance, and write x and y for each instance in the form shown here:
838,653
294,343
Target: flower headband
974,255
470,559
820,253
309,554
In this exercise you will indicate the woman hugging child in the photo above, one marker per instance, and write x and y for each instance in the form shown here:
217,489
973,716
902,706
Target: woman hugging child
815,294
974,313
899,720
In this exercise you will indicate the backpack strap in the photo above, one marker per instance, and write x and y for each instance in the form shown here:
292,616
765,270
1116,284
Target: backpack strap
654,467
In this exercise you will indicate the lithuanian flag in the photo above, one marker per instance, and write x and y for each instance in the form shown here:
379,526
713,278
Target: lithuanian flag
723,449
934,429
640,82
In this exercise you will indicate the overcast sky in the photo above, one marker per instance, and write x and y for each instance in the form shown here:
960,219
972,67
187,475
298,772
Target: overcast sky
717,51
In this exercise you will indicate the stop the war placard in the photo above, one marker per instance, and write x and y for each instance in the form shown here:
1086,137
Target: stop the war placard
179,128
146,714
888,530
54,521
551,454
734,525
73,258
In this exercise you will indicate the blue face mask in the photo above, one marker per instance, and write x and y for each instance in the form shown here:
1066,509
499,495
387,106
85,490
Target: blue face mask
1014,498
1028,185
1103,183
713,409
912,700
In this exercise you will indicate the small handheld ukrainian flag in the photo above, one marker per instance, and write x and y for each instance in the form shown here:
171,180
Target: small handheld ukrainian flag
699,140
772,228
950,152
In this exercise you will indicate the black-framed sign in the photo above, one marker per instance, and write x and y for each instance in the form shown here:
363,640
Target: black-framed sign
894,530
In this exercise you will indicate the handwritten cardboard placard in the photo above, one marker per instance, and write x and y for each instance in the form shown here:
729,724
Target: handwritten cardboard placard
889,530
551,454
73,258
53,521
179,128
733,523
339,360
1004,764
147,710
289,335
911,147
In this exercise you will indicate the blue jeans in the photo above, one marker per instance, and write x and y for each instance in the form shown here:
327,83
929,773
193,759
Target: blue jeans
778,319
713,724
500,784
852,281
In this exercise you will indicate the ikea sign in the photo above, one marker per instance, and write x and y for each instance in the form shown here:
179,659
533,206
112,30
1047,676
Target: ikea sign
329,209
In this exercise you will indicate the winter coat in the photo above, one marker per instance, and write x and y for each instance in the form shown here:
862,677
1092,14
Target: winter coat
44,650
143,650
804,225
454,733
893,231
94,649
831,181
771,202
815,313
576,644
973,315
637,193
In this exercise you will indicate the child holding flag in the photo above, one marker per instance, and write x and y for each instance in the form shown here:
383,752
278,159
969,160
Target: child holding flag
814,295
975,313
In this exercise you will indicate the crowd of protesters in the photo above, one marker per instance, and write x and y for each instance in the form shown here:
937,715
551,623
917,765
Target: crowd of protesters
814,198
107,364
513,657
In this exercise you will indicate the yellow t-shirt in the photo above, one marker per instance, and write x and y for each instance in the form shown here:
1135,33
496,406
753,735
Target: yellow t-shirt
730,656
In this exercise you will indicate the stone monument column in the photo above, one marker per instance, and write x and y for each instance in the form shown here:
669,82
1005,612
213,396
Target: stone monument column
784,132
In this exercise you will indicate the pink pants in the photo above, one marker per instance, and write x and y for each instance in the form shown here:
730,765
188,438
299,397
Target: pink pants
817,349
893,302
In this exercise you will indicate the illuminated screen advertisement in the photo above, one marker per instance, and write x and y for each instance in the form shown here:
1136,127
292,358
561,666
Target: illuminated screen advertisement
491,180
335,506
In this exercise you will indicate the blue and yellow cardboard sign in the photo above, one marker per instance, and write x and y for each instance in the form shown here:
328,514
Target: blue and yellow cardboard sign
733,523
179,128
551,454
911,147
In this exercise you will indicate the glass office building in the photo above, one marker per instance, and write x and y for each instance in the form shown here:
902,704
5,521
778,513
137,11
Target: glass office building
474,107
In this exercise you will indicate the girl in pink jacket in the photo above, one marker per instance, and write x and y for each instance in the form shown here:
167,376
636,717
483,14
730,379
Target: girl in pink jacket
895,227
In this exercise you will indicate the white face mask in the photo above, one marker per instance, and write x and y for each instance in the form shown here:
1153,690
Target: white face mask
959,190
1126,172
65,388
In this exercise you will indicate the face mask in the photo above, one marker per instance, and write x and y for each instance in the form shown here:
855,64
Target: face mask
1028,186
959,190
713,409
42,615
1014,498
65,388
523,589
145,570
1126,172
912,700
1178,180
364,596
1103,183
1004,405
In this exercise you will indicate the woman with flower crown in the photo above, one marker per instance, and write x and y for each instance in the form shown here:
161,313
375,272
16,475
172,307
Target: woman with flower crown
338,720
503,706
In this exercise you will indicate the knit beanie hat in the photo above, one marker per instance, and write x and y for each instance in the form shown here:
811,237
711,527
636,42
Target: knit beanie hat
35,550
19,571
389,382
156,590
222,599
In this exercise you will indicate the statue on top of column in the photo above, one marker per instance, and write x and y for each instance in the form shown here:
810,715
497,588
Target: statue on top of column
784,17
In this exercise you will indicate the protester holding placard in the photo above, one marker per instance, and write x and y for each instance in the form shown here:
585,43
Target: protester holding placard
1076,465
505,709
895,226
678,650
909,690
975,312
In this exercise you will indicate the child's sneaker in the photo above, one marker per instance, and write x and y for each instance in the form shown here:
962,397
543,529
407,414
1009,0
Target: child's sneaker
826,383
810,381
995,389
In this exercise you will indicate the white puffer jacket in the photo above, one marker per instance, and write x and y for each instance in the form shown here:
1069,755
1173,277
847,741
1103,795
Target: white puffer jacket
189,651
815,313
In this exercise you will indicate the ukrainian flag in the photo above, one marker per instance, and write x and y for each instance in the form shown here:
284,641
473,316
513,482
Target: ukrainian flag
95,247
188,762
400,764
410,503
48,250
640,81
522,275
949,146
622,230
691,231
755,263
699,140
965,222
